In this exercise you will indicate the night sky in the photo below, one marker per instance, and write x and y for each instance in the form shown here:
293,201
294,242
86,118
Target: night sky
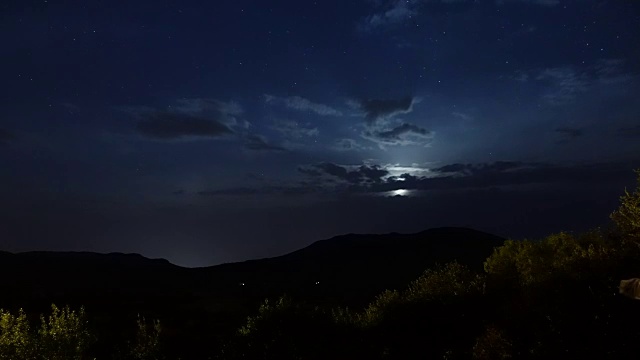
213,131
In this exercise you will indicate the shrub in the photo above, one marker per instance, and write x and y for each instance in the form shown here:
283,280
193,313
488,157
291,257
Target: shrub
63,335
16,340
492,345
627,216
147,343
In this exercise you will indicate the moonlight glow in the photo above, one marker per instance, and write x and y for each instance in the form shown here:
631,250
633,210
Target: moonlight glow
400,192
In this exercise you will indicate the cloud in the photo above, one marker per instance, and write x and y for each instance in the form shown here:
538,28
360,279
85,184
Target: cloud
294,130
302,104
609,71
376,180
508,173
565,84
346,144
397,12
380,109
474,169
208,118
521,76
549,3
349,174
259,143
381,127
310,171
226,112
400,135
204,105
497,175
189,118
462,116
398,132
175,125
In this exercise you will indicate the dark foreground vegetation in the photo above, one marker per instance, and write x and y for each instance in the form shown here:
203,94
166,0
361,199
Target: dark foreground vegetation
553,298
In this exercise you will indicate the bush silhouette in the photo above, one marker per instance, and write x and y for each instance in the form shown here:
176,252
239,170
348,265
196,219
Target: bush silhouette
62,335
16,340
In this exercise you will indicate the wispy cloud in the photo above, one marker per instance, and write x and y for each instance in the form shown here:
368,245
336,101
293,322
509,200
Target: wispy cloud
173,125
227,112
610,71
293,130
521,76
346,144
260,143
462,116
302,104
566,83
349,174
400,135
394,13
383,128
188,119
380,109
549,3
371,179
375,180
389,13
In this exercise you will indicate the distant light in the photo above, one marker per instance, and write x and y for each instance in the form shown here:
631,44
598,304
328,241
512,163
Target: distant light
317,282
241,284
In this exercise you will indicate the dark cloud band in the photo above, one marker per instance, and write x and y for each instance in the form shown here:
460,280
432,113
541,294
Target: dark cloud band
167,126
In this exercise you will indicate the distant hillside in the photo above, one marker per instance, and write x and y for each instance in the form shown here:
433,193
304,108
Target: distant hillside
359,265
83,277
348,267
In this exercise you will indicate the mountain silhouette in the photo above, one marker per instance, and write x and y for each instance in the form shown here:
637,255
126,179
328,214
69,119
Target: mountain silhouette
357,265
348,268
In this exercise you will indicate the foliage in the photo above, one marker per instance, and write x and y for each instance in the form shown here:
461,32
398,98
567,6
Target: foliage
382,305
16,341
147,343
285,329
492,345
443,283
627,216
64,334
425,319
266,314
61,335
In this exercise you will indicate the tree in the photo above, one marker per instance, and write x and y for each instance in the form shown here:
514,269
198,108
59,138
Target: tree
64,334
16,341
492,345
147,344
435,317
627,216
